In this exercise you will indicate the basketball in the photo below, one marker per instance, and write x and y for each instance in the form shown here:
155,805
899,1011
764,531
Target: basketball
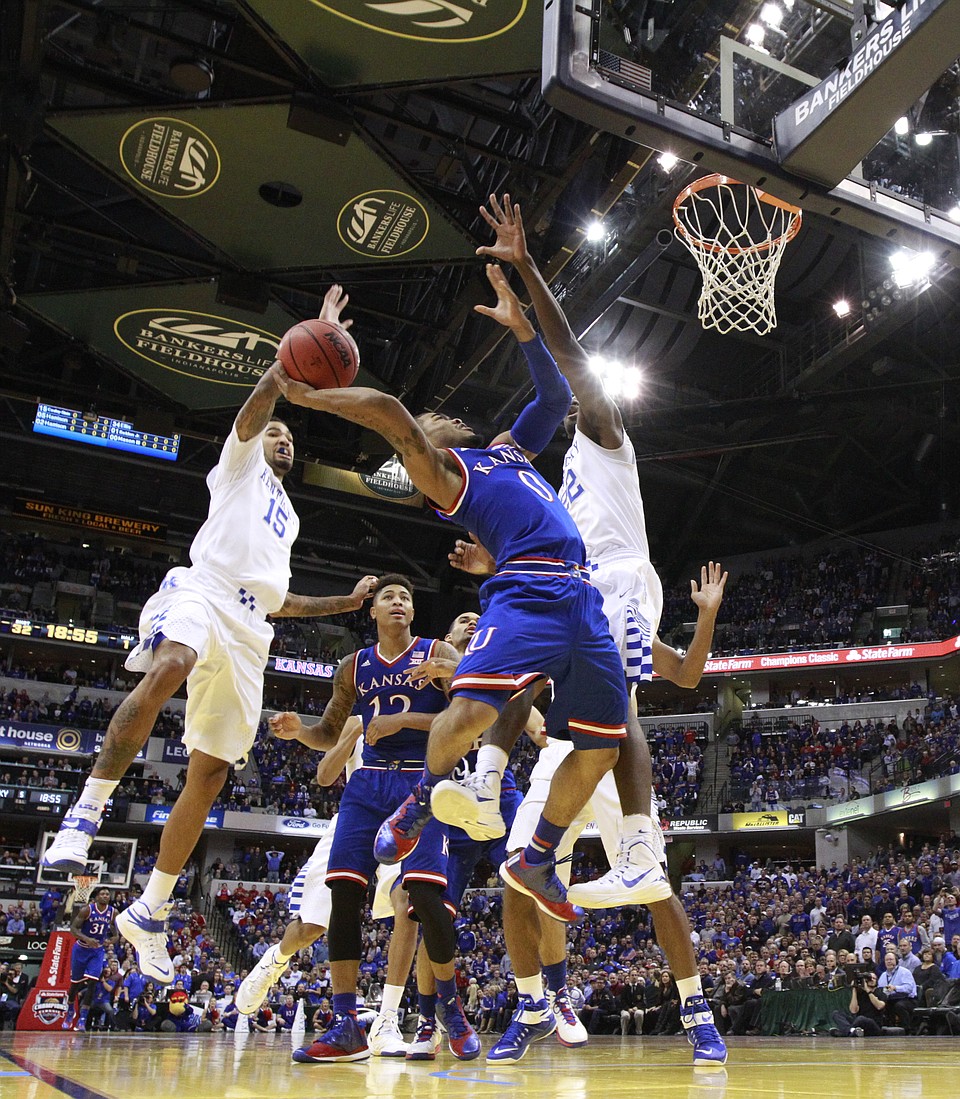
322,354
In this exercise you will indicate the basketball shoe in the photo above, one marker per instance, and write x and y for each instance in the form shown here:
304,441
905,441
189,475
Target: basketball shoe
426,1042
344,1041
147,932
473,805
570,1031
636,877
71,1016
531,1022
384,1036
68,852
697,1018
258,982
461,1037
540,882
400,832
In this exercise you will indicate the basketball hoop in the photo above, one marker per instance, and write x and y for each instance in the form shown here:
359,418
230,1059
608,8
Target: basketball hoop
737,234
82,886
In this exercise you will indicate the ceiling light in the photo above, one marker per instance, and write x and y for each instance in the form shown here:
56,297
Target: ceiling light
954,214
668,161
910,267
618,380
841,308
755,34
923,139
595,231
902,126
771,14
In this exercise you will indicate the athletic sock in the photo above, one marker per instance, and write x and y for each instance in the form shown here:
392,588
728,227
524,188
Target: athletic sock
447,990
94,796
158,889
392,995
345,1003
531,986
491,758
428,1004
637,822
555,976
428,780
546,839
689,986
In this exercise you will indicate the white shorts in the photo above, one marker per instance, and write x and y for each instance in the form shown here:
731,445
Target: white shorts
310,896
632,602
603,807
201,609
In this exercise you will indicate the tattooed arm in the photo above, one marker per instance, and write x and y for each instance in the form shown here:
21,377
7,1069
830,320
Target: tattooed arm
324,735
257,409
433,471
315,606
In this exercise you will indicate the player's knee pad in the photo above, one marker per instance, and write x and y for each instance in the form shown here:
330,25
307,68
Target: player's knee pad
439,936
344,932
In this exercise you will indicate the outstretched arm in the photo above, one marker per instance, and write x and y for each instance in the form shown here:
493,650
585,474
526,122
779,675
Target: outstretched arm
315,606
322,736
686,669
257,409
599,416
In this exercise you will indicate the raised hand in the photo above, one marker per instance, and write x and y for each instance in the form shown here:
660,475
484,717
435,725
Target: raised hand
710,593
473,558
285,726
508,311
507,222
431,671
363,590
383,725
334,302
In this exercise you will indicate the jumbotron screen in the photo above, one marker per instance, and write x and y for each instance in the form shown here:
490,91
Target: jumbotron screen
66,423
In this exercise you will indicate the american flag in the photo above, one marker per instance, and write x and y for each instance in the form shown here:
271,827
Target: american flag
636,74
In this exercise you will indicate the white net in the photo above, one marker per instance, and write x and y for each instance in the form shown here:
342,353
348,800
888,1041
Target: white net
82,887
737,234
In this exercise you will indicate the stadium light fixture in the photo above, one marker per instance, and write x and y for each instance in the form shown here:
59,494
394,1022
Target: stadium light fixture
595,232
668,161
619,381
842,307
910,268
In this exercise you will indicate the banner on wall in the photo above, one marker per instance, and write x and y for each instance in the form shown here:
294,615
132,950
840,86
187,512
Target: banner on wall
831,658
46,1004
774,818
53,738
160,814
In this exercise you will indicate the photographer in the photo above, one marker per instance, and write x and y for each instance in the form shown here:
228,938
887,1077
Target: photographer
865,1015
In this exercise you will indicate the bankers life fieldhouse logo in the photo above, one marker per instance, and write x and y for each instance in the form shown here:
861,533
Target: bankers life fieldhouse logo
383,224
450,21
169,158
202,346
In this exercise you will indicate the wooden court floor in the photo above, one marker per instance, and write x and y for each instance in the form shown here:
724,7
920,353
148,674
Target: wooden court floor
49,1066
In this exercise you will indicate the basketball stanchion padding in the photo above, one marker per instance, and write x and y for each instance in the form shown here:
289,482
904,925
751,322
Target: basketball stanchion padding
737,234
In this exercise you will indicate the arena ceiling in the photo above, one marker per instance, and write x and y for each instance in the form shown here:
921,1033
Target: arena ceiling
227,161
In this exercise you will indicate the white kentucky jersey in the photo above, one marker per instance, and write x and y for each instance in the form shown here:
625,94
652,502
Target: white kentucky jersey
251,526
601,490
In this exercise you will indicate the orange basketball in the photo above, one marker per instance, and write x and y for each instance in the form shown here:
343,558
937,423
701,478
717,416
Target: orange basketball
322,354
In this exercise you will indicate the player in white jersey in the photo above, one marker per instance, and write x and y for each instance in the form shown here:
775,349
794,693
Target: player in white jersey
207,625
601,490
310,901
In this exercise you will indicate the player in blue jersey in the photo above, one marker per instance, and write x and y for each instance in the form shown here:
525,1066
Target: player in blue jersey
94,927
540,614
375,682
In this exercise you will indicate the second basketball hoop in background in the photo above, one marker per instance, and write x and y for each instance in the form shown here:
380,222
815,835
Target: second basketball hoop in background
737,234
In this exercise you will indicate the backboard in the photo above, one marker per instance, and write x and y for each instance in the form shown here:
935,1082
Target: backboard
798,98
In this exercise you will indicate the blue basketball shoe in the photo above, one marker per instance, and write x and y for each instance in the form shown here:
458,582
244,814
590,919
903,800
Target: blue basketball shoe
461,1037
344,1041
532,1021
697,1018
540,882
400,832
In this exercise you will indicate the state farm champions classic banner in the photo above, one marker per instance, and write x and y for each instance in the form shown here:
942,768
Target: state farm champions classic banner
46,1004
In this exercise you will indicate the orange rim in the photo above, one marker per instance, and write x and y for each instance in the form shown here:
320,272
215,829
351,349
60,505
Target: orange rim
718,180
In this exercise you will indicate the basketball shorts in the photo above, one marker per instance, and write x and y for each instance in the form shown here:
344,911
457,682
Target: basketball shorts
465,852
532,626
310,895
632,602
86,961
369,796
603,807
201,609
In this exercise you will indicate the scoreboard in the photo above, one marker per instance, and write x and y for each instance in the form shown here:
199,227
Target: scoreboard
66,423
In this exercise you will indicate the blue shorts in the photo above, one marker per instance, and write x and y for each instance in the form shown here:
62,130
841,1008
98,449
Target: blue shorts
548,625
371,795
86,961
465,852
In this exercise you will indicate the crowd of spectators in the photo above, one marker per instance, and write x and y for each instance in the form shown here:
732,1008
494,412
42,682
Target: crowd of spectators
806,761
82,712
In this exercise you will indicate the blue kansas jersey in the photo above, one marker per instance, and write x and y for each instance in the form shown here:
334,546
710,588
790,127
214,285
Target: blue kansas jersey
382,688
511,508
99,925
